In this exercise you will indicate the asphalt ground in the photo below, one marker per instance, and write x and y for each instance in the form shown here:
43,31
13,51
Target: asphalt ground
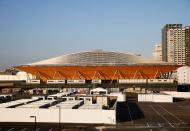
131,115
45,127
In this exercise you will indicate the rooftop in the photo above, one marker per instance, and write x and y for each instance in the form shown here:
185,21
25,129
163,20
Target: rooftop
70,104
91,106
97,58
37,104
16,102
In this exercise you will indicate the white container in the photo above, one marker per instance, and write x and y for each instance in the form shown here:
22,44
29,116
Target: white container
51,81
97,81
153,81
34,81
80,81
60,81
76,81
160,81
141,81
70,81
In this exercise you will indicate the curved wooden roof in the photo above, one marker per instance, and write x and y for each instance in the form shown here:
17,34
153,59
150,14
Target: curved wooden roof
98,72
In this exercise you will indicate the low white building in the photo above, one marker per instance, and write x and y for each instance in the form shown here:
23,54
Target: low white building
183,75
98,91
20,76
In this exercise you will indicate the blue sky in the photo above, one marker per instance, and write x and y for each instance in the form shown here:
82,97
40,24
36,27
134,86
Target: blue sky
32,30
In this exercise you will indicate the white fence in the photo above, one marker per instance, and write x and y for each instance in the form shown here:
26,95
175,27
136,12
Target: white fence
155,98
138,81
145,97
157,81
178,94
55,81
76,81
52,115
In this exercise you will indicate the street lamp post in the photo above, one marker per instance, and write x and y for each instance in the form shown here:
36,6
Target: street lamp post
34,121
59,117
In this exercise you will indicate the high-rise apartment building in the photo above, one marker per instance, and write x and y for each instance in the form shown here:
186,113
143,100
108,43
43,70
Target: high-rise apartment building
164,38
157,54
187,45
175,44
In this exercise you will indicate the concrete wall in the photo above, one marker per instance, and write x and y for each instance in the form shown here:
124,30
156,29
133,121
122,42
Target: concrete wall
52,115
155,98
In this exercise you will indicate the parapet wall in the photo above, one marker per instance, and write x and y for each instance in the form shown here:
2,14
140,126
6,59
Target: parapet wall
52,115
